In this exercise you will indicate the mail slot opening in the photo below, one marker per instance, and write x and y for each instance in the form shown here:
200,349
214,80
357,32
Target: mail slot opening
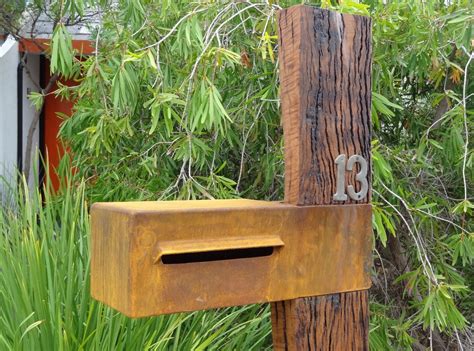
220,255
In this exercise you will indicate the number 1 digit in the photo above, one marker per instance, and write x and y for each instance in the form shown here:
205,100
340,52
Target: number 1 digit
340,194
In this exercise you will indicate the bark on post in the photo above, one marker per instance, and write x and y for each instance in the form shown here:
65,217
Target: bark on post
325,75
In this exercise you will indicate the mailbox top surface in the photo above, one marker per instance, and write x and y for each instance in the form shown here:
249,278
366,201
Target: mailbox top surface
184,205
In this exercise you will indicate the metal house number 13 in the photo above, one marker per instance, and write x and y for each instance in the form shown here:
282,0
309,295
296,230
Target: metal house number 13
361,177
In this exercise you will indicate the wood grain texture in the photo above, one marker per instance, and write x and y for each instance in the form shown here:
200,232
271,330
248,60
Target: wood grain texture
325,87
330,322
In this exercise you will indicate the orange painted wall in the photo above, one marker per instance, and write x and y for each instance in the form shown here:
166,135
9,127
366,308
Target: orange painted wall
39,46
53,147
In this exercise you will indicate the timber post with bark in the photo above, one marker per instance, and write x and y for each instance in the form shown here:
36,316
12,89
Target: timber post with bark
325,77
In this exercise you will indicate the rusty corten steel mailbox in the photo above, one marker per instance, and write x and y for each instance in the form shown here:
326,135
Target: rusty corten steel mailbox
152,258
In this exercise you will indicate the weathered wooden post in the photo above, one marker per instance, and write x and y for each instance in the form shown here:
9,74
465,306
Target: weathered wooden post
325,79
151,258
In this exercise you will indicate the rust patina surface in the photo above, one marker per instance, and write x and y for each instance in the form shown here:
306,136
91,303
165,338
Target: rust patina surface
152,258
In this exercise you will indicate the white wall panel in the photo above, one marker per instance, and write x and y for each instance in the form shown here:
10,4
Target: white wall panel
9,59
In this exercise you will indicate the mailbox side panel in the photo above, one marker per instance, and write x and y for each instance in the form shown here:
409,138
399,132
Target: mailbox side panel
329,251
110,250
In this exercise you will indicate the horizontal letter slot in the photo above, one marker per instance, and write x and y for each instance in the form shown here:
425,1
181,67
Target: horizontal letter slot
220,255
187,251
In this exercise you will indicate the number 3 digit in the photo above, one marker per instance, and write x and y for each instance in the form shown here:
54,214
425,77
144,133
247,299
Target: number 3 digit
361,177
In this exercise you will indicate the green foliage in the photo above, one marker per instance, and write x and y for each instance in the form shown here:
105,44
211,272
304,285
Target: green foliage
438,309
61,51
167,106
462,248
10,15
387,333
36,99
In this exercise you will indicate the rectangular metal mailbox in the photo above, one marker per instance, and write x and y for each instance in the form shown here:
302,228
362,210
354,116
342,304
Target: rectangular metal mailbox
152,258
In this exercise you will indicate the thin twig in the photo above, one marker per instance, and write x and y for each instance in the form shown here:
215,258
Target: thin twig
466,130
